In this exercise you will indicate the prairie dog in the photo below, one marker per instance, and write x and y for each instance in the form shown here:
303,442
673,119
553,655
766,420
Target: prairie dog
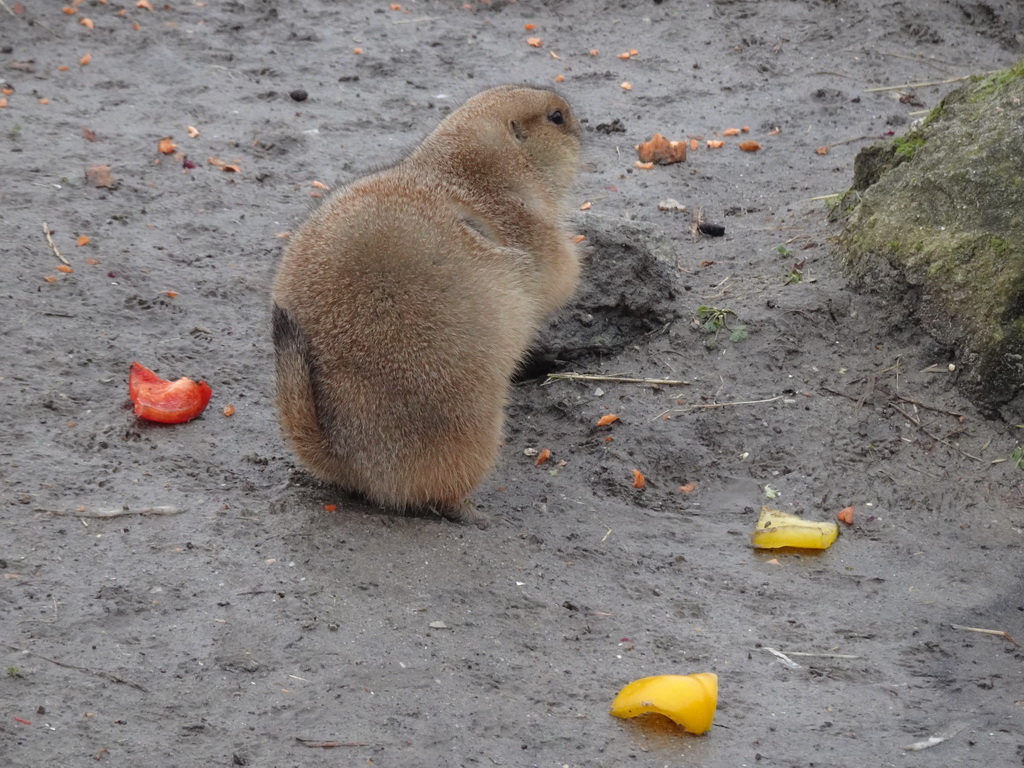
404,303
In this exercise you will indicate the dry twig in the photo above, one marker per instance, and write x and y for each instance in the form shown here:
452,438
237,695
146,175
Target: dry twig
738,402
924,85
822,655
846,141
53,245
97,672
919,404
621,379
103,514
917,423
315,744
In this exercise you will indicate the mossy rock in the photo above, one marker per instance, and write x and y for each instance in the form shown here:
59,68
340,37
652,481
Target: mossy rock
939,222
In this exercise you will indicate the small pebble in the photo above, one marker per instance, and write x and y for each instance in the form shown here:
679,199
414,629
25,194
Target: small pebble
299,94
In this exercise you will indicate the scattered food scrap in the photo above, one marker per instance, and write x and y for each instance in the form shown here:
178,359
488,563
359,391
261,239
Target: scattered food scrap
846,516
216,162
543,456
750,146
661,151
671,204
534,42
166,146
689,700
780,529
608,418
167,402
100,177
639,481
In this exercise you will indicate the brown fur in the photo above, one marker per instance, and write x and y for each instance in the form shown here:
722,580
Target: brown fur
403,305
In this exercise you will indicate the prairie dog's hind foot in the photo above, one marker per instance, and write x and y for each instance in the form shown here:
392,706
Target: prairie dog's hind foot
463,512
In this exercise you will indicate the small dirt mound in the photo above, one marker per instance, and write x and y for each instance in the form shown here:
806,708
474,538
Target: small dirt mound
628,290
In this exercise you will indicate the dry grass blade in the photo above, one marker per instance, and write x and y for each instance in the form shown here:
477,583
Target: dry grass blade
997,632
620,379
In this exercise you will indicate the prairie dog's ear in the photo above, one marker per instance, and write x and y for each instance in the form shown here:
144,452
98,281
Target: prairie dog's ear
517,129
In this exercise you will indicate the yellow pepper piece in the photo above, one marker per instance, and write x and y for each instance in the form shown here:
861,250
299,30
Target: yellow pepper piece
781,529
690,700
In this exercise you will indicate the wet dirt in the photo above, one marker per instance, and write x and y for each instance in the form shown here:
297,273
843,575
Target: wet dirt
180,596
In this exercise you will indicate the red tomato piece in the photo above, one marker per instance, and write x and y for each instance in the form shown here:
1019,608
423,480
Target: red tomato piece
168,402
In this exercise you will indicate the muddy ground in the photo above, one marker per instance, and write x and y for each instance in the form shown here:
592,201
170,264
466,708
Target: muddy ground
224,616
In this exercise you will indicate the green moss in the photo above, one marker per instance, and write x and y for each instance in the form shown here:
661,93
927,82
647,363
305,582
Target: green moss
934,114
989,85
907,146
1000,247
948,221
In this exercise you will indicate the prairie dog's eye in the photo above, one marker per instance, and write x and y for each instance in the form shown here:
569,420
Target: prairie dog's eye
557,117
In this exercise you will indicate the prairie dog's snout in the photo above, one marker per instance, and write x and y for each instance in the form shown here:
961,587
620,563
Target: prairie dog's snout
403,305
